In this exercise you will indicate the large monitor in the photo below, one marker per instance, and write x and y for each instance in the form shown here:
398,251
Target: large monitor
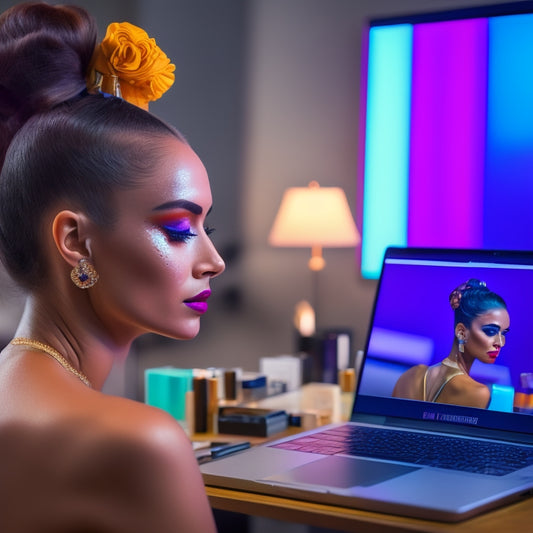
448,131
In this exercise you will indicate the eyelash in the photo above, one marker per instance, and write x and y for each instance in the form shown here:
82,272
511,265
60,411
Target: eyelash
175,235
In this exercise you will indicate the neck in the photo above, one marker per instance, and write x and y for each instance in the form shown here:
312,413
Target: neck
82,345
463,362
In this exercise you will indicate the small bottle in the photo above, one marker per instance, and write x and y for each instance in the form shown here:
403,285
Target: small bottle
212,405
347,385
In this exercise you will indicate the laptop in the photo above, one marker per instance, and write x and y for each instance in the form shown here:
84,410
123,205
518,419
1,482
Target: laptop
410,457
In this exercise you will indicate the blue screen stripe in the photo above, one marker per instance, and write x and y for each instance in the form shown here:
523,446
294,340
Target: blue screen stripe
508,198
386,180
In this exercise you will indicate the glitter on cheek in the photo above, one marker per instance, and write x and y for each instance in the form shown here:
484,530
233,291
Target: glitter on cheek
160,242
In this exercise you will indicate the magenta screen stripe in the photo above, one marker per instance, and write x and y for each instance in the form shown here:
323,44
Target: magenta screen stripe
448,134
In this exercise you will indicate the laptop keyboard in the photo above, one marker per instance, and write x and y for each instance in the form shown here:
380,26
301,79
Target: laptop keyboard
440,451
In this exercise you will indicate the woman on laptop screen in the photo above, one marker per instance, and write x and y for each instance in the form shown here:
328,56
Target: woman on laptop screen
481,323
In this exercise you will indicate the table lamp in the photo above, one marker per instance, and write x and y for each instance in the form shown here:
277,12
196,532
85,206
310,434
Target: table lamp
315,217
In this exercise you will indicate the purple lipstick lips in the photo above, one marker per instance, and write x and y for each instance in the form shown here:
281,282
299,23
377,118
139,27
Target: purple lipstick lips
198,303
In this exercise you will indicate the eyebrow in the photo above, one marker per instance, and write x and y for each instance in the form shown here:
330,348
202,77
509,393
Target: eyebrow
184,204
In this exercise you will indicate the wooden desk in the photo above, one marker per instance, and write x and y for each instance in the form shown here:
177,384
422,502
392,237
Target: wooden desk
513,518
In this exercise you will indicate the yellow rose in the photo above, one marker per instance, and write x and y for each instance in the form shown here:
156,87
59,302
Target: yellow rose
143,69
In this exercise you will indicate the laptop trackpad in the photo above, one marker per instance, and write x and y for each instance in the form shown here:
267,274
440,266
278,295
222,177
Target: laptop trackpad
342,472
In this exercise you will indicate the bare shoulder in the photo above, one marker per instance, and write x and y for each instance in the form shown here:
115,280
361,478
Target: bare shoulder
417,370
85,458
463,390
409,383
141,459
413,373
142,423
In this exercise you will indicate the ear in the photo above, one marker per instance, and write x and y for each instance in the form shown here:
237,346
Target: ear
461,331
70,232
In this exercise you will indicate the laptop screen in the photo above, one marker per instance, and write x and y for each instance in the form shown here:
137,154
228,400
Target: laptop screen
413,336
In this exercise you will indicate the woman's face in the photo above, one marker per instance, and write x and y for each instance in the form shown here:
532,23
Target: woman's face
486,336
156,262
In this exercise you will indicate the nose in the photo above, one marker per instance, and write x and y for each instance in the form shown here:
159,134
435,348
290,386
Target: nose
210,263
500,340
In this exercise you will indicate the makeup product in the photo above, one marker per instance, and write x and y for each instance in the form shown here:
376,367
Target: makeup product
200,404
215,450
189,412
212,404
251,421
347,385
322,398
167,388
336,353
254,386
230,384
282,368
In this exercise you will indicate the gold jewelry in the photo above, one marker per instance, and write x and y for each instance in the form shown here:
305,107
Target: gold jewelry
106,83
84,274
22,341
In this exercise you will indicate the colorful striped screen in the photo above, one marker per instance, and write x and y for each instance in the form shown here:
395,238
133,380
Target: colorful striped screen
448,136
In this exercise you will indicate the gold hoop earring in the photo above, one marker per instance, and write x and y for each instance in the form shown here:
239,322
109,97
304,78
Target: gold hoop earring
84,274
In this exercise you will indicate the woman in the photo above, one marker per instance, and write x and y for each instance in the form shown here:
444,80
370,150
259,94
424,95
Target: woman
481,325
102,221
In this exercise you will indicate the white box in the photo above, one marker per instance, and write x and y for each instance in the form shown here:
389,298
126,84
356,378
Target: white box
285,368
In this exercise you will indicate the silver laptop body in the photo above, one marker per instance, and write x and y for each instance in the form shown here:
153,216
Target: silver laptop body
413,324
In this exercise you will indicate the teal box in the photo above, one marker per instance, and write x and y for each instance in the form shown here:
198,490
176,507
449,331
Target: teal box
167,387
502,398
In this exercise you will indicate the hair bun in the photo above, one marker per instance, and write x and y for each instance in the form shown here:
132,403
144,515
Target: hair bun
457,293
39,73
45,53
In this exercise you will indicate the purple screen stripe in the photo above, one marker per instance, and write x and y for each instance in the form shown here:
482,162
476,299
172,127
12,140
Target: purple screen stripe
448,134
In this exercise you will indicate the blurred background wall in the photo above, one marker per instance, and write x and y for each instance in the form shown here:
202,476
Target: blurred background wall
267,92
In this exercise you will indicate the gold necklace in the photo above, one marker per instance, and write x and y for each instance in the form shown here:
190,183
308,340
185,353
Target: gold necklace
22,341
449,363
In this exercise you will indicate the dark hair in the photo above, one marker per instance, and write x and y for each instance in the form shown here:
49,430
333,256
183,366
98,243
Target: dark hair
59,142
473,299
45,53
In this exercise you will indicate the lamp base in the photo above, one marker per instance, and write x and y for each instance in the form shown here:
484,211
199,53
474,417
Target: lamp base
316,261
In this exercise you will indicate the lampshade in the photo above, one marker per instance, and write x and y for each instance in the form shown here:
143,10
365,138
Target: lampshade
314,217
